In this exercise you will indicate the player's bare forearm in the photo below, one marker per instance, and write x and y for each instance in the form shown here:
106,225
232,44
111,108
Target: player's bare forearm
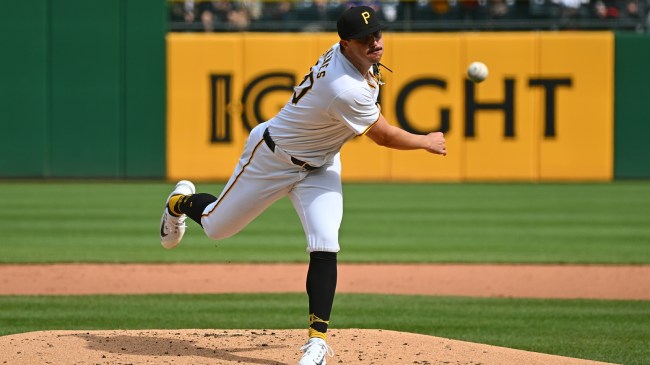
390,136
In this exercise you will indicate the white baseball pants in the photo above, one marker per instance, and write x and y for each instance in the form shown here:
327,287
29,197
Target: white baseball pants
262,177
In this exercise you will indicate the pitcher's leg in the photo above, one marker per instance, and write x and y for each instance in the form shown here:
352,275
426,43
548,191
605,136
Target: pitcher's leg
260,179
321,287
319,202
239,204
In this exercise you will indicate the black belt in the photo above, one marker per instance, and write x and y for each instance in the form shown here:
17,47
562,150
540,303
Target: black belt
271,144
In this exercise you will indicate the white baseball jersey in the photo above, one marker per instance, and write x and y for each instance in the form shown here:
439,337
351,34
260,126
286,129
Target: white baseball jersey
333,104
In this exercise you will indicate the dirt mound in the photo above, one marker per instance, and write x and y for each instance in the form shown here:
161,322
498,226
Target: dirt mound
267,347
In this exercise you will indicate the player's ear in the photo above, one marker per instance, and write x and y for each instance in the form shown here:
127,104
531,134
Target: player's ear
343,43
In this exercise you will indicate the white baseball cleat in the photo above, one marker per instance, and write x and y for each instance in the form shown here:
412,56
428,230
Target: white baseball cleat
314,352
172,228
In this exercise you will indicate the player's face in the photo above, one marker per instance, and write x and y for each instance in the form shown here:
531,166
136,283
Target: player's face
369,49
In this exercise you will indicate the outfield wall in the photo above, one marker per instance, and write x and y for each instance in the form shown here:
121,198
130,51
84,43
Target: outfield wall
82,88
632,100
89,97
545,113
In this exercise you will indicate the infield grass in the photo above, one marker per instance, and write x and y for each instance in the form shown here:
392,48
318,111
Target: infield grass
611,331
605,223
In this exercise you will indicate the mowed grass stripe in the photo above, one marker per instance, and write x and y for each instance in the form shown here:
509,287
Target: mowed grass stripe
499,223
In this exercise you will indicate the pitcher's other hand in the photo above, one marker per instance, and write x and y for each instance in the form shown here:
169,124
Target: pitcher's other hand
437,143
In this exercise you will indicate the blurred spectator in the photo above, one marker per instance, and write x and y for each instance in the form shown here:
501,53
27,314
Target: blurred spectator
606,10
238,19
617,9
312,10
278,11
502,9
252,7
631,9
436,10
573,9
473,9
232,15
183,12
243,12
541,9
212,13
319,13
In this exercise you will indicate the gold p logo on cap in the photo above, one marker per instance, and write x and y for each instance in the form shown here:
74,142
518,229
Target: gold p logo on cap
366,16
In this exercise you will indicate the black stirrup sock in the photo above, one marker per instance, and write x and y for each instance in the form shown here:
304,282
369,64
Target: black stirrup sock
321,287
194,205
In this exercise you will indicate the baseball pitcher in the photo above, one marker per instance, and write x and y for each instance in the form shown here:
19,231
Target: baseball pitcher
296,154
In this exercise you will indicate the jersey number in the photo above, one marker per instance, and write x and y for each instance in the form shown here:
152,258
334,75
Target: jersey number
304,86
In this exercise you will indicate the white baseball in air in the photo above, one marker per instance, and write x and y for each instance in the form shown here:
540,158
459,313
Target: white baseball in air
477,72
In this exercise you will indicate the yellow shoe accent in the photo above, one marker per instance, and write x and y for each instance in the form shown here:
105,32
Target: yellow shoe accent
172,204
315,334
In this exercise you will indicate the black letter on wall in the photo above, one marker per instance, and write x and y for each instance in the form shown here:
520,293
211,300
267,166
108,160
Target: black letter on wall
549,86
401,102
472,106
219,102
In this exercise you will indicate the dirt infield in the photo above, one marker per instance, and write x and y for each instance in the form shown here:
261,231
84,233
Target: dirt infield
363,347
268,347
517,281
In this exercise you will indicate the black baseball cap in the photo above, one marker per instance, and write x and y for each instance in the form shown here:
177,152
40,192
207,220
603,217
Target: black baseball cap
358,22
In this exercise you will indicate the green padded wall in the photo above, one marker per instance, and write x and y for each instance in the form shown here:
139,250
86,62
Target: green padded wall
632,114
83,88
87,75
145,89
23,88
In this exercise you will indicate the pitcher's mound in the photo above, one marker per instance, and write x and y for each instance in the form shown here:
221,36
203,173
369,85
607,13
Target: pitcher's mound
268,347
